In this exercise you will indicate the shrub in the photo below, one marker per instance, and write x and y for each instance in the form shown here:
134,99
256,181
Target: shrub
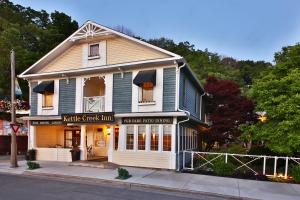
123,174
33,165
223,169
296,173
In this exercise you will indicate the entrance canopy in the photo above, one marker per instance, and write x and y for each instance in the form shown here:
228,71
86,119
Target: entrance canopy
144,77
45,86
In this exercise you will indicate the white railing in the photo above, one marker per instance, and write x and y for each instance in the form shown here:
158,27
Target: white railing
193,160
94,104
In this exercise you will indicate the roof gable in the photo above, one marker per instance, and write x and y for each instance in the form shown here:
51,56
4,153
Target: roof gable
91,30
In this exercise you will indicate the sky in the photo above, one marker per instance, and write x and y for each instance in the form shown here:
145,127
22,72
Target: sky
242,29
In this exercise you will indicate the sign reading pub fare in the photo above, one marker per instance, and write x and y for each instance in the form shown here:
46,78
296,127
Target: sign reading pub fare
147,120
107,117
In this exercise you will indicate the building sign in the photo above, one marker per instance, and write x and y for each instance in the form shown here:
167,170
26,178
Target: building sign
46,122
105,117
147,120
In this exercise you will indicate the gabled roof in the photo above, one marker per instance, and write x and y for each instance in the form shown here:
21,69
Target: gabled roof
88,29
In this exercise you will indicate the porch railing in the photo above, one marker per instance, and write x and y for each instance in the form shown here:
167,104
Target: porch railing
94,104
275,166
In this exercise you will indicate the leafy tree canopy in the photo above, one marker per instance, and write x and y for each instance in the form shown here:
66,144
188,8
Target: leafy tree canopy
31,34
227,110
278,93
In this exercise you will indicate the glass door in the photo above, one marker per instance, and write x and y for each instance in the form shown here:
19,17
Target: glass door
71,138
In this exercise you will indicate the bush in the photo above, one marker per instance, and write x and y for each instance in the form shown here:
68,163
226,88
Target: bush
123,174
296,173
33,165
223,169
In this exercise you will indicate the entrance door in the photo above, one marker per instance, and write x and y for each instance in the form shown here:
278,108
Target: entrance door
71,138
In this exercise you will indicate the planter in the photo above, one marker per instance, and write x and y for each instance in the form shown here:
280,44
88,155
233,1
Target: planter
31,155
75,154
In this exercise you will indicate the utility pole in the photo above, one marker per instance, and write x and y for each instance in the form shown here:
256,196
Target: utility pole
13,151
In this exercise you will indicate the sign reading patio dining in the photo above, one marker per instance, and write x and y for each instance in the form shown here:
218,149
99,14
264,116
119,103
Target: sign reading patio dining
106,117
147,120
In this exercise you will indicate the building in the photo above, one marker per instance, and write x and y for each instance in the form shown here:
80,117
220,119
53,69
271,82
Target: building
116,97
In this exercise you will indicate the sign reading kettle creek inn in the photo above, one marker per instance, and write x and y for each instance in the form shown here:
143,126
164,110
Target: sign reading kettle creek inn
105,117
147,120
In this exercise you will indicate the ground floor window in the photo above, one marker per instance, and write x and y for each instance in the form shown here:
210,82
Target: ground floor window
167,135
116,141
141,137
154,137
129,137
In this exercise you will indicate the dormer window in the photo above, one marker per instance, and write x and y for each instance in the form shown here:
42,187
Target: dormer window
94,51
146,80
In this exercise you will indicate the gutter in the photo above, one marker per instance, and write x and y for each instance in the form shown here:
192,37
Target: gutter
185,120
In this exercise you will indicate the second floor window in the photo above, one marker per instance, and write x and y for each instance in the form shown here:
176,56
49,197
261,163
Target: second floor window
48,99
147,92
93,50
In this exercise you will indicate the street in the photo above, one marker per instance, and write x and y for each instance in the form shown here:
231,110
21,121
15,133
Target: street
15,187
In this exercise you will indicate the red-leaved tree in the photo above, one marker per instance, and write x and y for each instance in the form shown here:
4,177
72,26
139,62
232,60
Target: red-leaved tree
227,110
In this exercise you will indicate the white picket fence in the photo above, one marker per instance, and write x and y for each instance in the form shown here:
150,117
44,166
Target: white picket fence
189,158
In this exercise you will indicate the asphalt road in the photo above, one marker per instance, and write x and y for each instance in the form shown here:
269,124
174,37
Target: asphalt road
19,187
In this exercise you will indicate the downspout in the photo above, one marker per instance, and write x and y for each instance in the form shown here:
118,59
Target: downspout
185,120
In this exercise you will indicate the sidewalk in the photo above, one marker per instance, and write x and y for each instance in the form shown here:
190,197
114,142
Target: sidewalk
168,180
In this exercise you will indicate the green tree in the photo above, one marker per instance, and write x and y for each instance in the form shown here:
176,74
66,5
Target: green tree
31,34
278,93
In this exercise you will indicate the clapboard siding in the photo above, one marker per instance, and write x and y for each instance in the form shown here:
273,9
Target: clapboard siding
33,99
169,89
121,50
122,92
187,102
67,96
70,59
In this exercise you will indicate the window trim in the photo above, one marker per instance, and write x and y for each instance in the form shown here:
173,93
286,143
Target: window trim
89,51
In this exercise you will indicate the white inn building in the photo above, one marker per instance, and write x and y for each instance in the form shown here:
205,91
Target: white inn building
114,97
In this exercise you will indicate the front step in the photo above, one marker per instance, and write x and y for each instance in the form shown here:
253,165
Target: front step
102,165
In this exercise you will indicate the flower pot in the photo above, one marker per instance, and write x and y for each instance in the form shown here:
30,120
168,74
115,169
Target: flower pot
75,155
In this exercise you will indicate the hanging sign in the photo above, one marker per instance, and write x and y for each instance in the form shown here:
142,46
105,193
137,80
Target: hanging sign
15,127
147,120
105,117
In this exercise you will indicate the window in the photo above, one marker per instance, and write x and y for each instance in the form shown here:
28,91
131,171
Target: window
147,92
154,138
141,137
48,99
167,135
129,137
94,50
116,138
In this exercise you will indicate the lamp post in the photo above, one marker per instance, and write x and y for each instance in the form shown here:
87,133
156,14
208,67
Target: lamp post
13,151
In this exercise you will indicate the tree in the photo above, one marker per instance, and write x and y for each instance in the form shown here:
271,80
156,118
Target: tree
31,34
278,94
227,110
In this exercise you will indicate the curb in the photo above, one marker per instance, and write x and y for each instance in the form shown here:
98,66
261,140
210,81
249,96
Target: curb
122,184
